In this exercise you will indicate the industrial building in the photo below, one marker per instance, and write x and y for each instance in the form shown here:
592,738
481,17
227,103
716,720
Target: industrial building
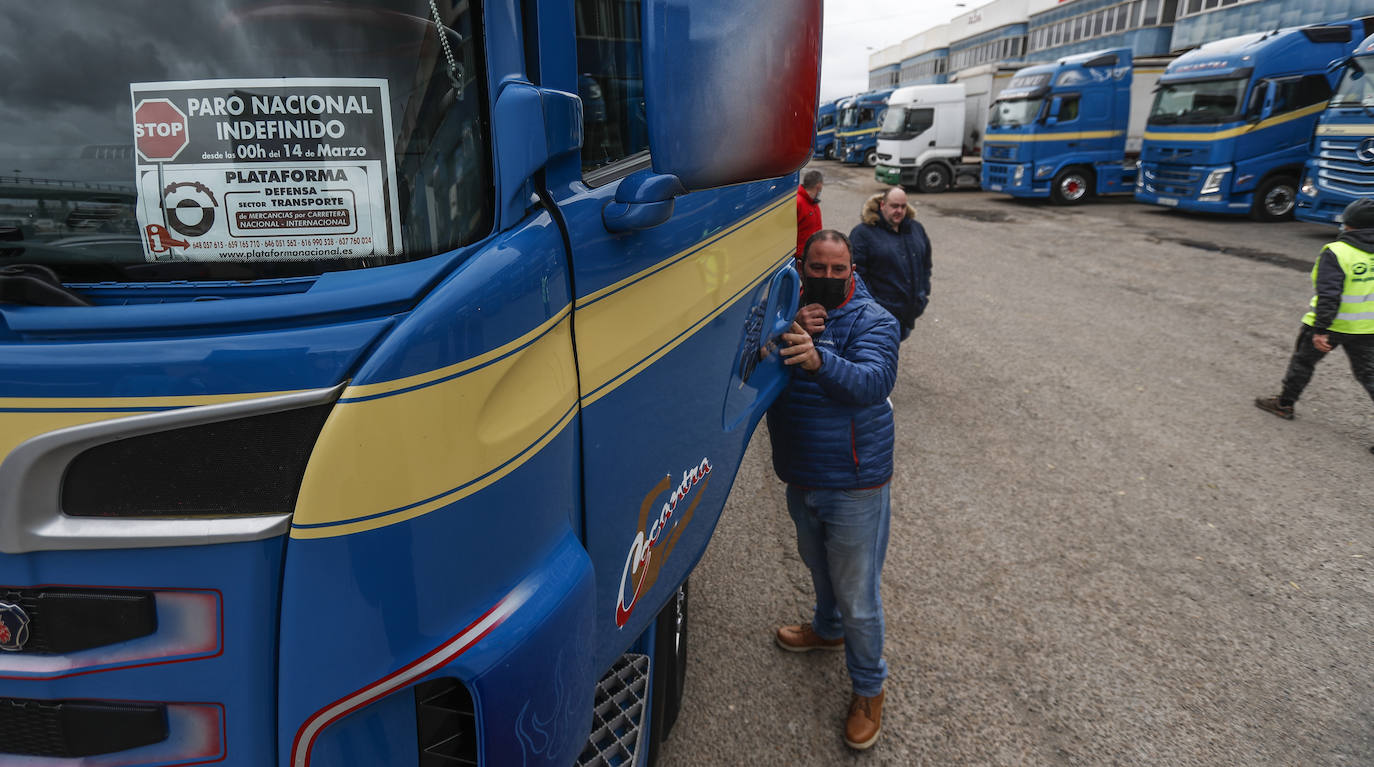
1008,34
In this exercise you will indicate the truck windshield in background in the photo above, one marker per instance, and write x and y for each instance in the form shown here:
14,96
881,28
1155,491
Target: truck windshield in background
1356,88
1011,113
1205,102
239,140
849,118
906,122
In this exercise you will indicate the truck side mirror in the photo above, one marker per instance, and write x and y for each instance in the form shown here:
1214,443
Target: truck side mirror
1052,111
709,124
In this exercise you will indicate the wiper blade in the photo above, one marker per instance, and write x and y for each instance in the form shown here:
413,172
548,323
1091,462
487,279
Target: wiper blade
35,285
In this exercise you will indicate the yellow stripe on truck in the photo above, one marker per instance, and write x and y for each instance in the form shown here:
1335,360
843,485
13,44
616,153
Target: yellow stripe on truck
1233,132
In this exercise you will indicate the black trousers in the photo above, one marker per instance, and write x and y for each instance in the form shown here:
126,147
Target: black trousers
1358,348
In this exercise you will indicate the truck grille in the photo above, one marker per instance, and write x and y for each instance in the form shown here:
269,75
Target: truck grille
1178,155
73,729
1339,170
999,151
1174,182
998,174
619,714
71,620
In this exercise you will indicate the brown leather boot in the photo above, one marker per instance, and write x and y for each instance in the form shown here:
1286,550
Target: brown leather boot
802,638
865,721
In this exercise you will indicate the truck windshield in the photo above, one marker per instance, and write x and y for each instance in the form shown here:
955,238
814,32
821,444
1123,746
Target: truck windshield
906,122
1010,113
240,139
849,117
1205,102
1356,88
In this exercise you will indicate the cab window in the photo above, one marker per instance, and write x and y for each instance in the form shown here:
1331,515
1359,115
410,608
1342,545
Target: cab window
610,82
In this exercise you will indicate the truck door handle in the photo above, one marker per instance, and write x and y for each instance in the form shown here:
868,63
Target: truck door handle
932,143
784,299
1072,143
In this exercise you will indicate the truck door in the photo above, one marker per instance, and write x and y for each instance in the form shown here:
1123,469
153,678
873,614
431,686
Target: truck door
668,321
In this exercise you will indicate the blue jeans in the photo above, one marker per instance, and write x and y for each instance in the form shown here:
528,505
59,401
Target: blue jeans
842,538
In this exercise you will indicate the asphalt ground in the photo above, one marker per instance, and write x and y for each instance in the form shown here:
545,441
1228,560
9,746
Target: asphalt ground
1102,553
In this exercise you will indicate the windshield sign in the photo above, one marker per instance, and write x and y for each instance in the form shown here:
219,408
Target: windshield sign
241,140
1207,102
1011,113
282,169
1029,81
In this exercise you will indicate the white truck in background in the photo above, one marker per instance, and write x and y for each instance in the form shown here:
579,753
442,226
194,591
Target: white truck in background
923,139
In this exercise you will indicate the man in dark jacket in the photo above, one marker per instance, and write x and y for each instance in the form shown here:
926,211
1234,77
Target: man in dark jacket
808,208
1342,310
892,254
832,436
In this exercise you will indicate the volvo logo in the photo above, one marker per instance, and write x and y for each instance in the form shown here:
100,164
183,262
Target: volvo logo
14,627
1365,152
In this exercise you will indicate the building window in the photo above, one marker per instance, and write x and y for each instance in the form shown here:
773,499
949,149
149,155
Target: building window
1115,19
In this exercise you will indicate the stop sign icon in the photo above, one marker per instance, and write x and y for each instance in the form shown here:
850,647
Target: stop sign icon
159,130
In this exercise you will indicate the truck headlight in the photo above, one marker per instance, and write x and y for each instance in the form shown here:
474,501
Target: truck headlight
1018,175
1308,188
1214,181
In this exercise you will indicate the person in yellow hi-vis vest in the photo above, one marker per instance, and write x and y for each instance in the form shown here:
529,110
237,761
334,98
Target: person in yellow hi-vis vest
1342,311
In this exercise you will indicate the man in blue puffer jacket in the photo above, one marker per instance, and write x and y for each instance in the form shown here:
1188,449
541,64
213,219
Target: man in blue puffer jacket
832,436
892,254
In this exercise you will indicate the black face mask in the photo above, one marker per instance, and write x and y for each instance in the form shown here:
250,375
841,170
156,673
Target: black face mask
829,292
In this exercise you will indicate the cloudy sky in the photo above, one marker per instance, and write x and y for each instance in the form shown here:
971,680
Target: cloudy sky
855,30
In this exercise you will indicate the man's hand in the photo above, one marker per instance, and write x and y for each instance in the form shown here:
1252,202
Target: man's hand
1321,340
800,350
811,318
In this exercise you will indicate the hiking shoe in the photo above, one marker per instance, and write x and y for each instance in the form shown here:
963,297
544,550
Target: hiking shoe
802,638
1272,405
865,721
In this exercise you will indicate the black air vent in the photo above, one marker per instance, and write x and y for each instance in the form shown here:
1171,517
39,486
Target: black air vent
241,466
70,620
71,729
1340,34
445,724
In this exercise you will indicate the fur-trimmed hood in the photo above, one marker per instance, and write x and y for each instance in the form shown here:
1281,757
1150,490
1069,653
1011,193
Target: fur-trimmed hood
871,214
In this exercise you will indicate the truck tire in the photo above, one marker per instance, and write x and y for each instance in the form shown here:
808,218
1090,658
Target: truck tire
871,158
830,151
669,670
1275,199
1071,186
933,178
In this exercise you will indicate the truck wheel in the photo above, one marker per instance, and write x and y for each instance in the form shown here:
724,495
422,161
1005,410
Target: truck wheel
669,670
932,179
830,152
1071,186
1275,199
871,158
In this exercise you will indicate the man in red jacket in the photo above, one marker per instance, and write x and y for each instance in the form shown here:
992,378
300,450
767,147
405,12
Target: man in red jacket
808,208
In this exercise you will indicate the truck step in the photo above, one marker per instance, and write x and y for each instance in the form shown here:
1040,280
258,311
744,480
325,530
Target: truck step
618,717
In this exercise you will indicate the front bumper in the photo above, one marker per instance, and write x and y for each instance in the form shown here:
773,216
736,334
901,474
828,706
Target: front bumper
1180,186
1003,177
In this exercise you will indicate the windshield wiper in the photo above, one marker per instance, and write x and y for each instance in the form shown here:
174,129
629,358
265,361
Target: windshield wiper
35,285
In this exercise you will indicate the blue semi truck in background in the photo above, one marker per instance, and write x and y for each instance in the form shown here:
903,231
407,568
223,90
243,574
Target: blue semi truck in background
860,118
386,414
824,145
1231,122
1072,129
1340,163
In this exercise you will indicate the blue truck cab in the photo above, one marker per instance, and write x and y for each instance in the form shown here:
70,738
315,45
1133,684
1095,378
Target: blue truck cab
824,145
860,119
1340,163
373,373
1063,131
1229,129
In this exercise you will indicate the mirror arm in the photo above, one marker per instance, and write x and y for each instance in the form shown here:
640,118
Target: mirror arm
643,200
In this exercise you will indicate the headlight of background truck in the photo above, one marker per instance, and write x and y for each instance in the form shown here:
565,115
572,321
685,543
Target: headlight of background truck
1214,181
